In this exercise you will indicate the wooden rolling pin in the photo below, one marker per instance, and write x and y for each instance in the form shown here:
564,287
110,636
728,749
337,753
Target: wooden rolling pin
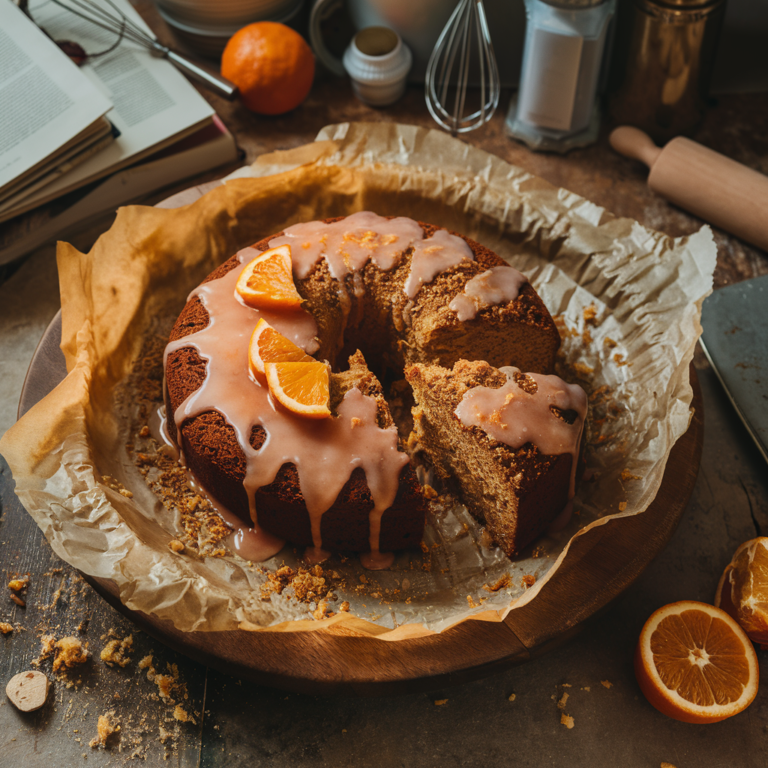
709,185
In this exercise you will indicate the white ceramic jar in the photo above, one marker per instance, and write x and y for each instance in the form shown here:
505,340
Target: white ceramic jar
378,62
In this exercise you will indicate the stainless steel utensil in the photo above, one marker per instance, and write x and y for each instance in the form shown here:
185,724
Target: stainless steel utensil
115,21
449,68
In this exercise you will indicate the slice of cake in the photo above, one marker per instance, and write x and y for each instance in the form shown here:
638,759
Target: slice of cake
510,440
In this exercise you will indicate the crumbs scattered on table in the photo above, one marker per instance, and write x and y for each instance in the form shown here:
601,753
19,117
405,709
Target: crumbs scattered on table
440,702
622,506
5,628
106,727
563,700
566,720
18,584
70,652
116,652
511,697
176,546
626,475
606,683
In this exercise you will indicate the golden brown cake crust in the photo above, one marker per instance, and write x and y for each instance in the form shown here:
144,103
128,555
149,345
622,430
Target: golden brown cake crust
210,446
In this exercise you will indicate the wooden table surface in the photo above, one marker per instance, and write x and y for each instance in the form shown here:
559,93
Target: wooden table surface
510,719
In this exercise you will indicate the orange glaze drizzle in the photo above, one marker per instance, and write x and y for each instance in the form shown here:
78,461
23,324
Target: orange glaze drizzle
512,416
497,285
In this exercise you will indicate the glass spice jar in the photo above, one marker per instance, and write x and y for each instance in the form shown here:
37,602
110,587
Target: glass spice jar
564,42
664,75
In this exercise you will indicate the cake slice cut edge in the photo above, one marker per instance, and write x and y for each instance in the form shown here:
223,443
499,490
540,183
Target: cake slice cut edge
515,492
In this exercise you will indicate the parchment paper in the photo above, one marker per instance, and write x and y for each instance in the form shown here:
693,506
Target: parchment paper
628,301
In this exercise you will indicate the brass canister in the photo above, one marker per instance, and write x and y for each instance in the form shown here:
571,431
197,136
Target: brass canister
668,53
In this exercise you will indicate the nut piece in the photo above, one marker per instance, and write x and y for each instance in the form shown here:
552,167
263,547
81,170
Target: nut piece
28,690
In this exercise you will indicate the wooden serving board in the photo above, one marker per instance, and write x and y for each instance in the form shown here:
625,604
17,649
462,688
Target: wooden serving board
599,565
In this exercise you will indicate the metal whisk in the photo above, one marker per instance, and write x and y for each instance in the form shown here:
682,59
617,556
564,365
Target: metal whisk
465,34
108,16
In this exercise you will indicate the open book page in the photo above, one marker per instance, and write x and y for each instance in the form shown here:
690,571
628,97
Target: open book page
47,103
154,104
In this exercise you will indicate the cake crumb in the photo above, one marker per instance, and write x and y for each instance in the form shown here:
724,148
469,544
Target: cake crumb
609,342
528,581
115,652
104,729
440,702
176,546
344,607
504,581
18,584
563,699
590,315
181,714
626,475
16,599
429,492
606,683
566,720
322,611
622,506
144,431
5,627
356,422
47,647
471,603
69,652
667,765
512,697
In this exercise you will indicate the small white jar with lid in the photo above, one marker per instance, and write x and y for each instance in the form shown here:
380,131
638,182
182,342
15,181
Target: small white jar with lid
378,62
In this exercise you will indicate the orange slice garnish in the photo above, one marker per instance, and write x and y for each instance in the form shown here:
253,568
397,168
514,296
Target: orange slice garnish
270,346
303,388
266,282
743,589
694,663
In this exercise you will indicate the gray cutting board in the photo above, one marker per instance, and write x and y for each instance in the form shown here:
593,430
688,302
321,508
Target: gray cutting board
735,339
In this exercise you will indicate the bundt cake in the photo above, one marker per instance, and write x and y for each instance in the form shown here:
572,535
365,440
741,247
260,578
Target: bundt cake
404,293
511,441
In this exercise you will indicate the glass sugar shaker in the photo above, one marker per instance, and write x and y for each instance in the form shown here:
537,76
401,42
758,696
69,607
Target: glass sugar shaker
555,108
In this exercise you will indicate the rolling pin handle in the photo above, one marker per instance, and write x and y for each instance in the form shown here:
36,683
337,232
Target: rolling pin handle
633,143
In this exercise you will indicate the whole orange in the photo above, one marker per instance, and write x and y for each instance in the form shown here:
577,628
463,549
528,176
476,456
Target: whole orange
272,66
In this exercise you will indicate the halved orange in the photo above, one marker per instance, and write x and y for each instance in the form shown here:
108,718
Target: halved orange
266,282
743,589
694,663
303,388
270,346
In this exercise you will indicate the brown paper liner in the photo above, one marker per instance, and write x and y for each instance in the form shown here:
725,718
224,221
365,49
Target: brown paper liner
646,288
